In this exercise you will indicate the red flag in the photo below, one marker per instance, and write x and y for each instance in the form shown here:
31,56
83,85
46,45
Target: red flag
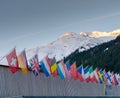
113,78
95,77
12,61
73,71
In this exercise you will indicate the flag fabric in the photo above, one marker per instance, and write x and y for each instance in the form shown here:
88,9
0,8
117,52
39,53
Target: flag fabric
80,72
13,61
73,71
91,72
61,70
96,78
53,67
67,70
109,81
118,78
45,65
100,76
23,62
34,64
114,79
104,76
86,74
68,65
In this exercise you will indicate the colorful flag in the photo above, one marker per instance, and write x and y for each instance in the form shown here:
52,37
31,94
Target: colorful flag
104,76
67,70
100,76
86,74
61,70
45,65
109,81
53,68
91,72
13,61
23,62
73,71
96,78
80,73
114,79
34,64
117,79
68,65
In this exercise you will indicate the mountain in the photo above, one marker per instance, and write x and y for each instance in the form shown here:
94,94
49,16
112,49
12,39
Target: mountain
68,43
105,56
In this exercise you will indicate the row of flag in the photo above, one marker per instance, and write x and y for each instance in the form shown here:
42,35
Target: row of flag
64,70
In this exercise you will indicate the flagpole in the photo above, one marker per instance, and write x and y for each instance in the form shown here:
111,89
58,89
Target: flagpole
104,89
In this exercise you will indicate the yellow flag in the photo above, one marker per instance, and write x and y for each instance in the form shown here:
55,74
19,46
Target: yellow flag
53,67
22,62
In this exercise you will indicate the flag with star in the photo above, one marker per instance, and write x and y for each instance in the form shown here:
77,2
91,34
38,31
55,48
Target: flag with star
12,61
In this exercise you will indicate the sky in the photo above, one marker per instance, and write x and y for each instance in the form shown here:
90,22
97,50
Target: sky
31,23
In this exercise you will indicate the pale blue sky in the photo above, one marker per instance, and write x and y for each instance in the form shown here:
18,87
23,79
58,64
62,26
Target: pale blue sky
31,23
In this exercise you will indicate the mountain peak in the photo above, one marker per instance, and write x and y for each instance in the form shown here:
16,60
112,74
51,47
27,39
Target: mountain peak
98,34
67,34
84,33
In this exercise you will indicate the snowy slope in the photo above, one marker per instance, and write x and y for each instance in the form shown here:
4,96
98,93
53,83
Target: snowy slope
68,43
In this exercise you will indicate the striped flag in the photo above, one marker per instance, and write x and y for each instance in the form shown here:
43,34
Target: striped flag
61,70
23,62
91,72
53,67
86,74
45,65
96,78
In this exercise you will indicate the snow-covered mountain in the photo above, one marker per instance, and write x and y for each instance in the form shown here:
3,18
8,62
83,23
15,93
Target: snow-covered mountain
69,42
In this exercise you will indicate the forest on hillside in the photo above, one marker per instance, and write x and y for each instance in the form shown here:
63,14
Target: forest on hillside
105,56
